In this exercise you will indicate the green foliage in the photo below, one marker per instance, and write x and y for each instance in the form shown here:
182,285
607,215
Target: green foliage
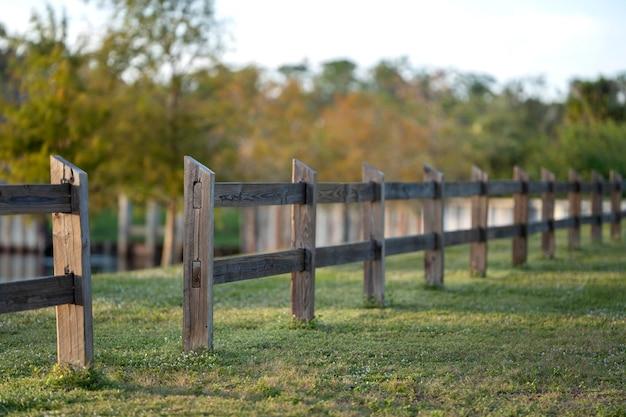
600,100
597,146
150,90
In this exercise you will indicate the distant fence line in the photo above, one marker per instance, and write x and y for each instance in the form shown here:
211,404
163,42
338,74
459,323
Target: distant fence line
267,228
202,194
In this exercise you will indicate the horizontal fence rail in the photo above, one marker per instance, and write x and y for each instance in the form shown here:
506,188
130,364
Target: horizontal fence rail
269,194
35,198
245,267
202,194
41,292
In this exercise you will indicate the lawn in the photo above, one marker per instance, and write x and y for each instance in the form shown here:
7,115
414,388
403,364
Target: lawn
547,339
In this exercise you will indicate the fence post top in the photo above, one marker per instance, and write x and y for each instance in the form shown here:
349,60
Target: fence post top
518,170
547,175
596,176
432,174
476,169
296,163
74,170
615,176
519,174
372,169
191,162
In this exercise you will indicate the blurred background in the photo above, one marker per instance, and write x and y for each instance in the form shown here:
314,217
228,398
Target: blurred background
125,88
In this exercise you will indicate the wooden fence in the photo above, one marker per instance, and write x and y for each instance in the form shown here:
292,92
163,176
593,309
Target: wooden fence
69,289
202,194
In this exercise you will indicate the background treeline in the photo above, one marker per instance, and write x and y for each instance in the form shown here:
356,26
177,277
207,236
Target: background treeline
127,106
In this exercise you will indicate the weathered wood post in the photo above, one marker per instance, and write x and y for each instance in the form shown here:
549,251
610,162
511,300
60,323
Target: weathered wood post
574,210
303,237
547,214
151,232
480,215
596,207
520,217
70,240
199,191
616,206
374,231
124,221
433,223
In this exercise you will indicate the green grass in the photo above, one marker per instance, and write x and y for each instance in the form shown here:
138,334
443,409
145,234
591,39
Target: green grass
545,340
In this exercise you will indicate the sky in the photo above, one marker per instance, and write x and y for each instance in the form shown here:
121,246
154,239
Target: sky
555,39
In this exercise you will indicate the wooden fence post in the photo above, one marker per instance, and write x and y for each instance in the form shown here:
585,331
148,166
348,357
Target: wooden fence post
520,217
374,230
480,217
547,214
574,210
70,240
616,206
124,221
303,237
433,223
596,207
198,256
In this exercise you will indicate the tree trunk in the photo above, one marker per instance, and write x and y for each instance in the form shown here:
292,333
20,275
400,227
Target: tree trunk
151,230
168,255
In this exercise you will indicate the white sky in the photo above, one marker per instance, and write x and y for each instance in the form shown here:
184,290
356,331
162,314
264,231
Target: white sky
558,39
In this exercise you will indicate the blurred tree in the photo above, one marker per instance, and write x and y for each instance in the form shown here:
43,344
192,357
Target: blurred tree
597,100
46,104
158,45
336,78
593,136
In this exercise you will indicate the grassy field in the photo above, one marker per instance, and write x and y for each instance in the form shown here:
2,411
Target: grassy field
545,340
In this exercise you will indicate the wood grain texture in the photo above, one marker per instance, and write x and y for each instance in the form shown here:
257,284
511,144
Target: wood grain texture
596,207
199,186
461,237
479,214
303,237
37,293
562,187
408,190
574,202
258,194
520,217
240,268
433,223
463,188
35,198
345,192
501,232
616,206
407,244
548,243
374,230
503,187
71,246
344,254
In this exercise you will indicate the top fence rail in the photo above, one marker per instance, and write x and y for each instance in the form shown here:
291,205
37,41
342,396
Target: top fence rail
35,198
286,193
